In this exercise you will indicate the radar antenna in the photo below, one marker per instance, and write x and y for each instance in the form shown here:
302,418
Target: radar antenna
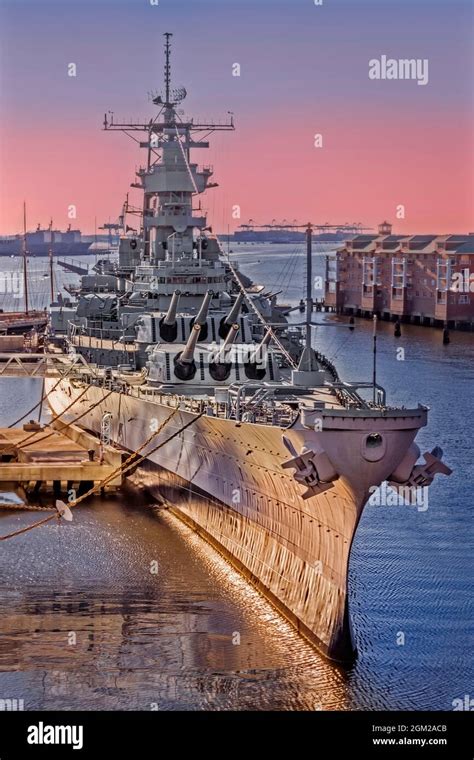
168,35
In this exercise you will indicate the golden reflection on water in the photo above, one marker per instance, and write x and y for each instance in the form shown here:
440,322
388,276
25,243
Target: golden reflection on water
86,625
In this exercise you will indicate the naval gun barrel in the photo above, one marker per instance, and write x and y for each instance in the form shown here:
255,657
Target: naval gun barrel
168,324
201,317
220,368
254,368
187,355
233,314
231,318
184,364
256,356
170,317
220,355
202,313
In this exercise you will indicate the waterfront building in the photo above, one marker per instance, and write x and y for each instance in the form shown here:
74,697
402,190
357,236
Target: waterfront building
425,279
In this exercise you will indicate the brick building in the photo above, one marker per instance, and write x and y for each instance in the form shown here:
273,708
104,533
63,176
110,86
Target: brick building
419,278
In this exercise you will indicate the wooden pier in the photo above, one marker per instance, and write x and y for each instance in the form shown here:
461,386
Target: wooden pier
54,458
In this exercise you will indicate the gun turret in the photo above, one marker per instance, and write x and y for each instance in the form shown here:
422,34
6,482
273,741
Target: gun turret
170,318
168,325
184,364
202,313
227,322
256,356
201,317
220,368
252,370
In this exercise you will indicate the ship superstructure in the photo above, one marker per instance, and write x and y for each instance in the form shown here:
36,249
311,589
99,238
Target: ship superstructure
259,445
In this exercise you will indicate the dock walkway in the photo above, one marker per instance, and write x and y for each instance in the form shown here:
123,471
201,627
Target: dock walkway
54,458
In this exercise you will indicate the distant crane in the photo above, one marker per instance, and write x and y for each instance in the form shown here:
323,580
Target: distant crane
355,228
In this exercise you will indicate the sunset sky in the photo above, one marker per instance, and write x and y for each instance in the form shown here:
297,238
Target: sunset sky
304,70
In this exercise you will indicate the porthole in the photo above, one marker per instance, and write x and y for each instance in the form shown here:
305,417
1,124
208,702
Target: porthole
373,441
373,447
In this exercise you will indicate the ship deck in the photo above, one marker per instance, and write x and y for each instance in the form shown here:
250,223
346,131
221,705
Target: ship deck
87,341
280,409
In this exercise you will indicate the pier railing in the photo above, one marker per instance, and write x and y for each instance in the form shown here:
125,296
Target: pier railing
39,365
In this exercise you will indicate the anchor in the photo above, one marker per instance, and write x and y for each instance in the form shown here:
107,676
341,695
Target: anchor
311,469
408,473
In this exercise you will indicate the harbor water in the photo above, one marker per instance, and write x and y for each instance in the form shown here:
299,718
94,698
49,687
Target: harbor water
125,608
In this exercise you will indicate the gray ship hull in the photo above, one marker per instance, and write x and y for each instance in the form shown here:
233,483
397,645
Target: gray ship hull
225,479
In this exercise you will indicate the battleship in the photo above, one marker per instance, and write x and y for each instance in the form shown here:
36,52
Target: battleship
248,433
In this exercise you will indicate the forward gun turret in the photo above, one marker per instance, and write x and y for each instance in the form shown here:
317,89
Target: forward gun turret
253,368
220,367
201,317
184,364
228,321
168,325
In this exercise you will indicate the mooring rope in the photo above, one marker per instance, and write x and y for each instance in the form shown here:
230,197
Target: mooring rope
123,468
43,397
48,435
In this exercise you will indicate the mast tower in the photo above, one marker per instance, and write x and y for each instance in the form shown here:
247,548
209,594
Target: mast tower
170,179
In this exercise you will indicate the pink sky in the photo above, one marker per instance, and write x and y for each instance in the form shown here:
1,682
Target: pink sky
304,71
362,173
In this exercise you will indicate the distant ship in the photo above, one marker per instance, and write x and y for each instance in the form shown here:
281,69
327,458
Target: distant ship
281,236
42,241
289,233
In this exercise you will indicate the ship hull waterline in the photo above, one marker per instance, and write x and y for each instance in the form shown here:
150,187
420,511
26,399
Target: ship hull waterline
225,480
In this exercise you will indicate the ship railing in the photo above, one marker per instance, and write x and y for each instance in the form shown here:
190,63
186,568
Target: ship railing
94,332
347,393
88,341
176,263
97,330
109,339
262,412
261,406
102,289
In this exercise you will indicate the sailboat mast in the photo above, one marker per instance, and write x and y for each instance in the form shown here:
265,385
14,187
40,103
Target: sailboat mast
374,367
51,275
50,255
25,273
309,283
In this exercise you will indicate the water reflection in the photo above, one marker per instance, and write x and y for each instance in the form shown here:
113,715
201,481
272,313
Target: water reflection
193,636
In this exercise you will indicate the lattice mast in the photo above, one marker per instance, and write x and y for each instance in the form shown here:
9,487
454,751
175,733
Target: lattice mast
170,179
